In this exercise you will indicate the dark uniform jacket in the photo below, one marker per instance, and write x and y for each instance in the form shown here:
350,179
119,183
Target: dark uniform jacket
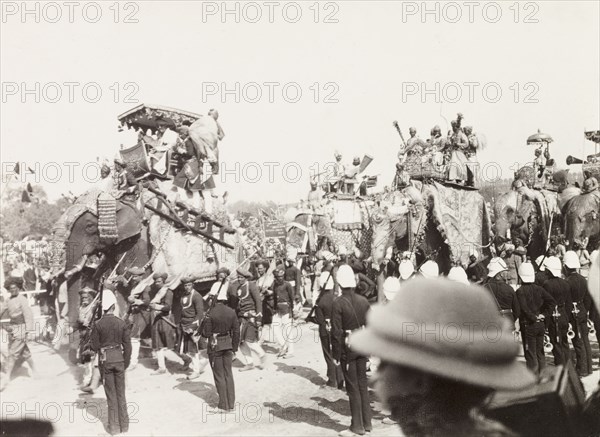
293,273
167,304
223,321
365,287
283,294
324,310
541,277
560,290
580,293
476,272
505,295
249,298
112,331
191,311
579,290
349,313
533,301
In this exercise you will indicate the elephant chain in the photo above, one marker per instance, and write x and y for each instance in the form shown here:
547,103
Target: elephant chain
159,248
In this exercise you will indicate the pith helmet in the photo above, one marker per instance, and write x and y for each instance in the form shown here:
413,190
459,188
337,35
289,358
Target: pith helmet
527,273
496,266
571,260
539,261
430,269
406,269
108,299
446,329
391,287
326,280
553,265
458,274
345,276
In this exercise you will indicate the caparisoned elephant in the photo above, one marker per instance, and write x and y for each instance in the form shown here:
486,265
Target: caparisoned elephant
79,233
582,220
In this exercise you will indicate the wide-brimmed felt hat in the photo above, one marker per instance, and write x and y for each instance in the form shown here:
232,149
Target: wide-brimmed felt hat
446,329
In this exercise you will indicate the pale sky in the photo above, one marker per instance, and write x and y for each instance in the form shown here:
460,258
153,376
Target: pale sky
370,54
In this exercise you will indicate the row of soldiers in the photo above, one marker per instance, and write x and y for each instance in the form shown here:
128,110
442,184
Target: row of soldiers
555,299
546,300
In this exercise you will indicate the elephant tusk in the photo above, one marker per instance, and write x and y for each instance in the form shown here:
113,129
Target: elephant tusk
77,268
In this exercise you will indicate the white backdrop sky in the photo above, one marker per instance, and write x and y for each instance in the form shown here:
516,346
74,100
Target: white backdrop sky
369,54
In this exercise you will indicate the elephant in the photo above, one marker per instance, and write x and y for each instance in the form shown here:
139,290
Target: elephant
527,214
141,239
582,220
433,222
76,236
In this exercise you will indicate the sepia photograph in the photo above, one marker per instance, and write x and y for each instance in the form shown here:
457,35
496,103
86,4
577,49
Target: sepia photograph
300,218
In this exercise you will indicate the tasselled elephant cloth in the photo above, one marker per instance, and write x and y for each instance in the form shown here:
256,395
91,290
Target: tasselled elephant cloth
87,202
463,218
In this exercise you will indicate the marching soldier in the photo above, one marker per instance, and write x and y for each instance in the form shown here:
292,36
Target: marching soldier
138,314
349,314
163,326
110,339
534,302
223,332
250,313
579,319
222,287
436,385
505,296
541,275
264,282
323,313
283,294
192,311
560,290
20,328
87,310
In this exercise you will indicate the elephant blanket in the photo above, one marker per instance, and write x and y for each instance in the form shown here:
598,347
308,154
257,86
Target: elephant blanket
87,202
462,217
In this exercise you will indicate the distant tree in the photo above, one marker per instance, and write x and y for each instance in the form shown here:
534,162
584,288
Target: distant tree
19,219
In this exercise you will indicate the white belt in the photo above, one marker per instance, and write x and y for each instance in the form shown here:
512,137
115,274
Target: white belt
292,283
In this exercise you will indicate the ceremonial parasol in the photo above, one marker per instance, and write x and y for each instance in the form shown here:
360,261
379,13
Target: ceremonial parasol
539,138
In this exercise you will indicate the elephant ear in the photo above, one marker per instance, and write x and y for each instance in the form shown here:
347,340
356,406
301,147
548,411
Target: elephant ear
565,196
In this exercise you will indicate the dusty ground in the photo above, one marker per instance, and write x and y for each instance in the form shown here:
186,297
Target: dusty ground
286,398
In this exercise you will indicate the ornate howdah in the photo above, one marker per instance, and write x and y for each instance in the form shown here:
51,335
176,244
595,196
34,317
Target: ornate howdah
421,167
